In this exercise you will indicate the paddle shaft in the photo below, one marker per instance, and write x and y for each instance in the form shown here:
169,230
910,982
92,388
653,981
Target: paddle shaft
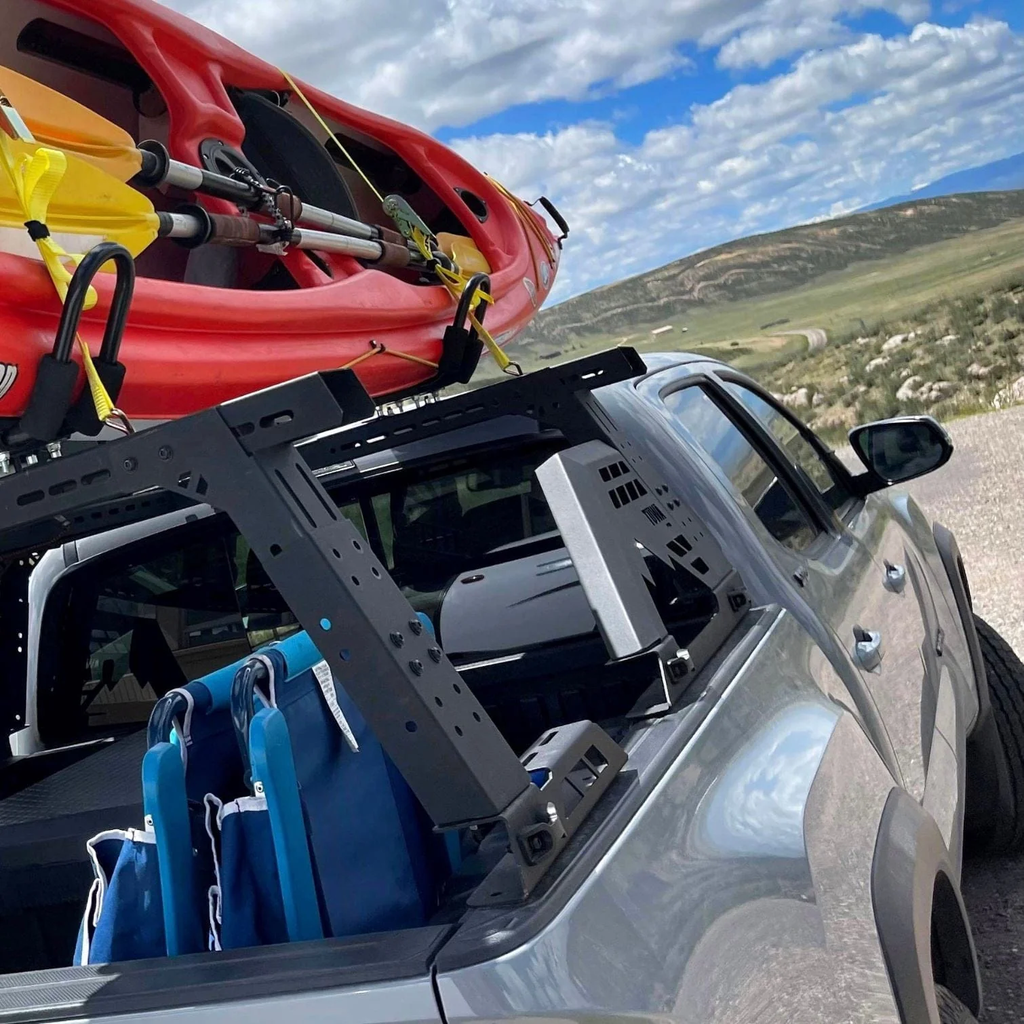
197,227
159,169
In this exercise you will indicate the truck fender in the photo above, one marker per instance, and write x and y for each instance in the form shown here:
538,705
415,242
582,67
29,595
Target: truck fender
949,552
922,924
988,774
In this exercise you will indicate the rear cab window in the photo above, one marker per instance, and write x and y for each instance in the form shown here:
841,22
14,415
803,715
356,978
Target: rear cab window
141,621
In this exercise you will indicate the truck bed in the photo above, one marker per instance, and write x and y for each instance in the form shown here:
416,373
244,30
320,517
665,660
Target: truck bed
45,872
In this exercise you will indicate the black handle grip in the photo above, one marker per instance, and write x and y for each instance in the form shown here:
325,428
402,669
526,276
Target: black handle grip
477,283
78,289
169,709
555,216
243,707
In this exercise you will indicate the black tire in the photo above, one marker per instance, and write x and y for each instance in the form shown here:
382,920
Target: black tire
998,780
951,1010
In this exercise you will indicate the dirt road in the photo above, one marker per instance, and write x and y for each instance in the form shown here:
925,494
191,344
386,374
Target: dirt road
816,337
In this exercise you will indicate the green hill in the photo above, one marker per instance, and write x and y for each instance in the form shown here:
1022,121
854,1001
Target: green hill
757,276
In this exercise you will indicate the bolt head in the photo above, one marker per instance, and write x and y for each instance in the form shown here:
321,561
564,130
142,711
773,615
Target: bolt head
416,626
165,452
130,464
416,667
397,639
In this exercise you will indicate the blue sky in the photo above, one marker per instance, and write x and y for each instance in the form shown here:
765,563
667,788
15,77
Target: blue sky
662,127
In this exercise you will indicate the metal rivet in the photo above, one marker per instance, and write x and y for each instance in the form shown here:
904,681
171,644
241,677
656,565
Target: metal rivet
397,639
435,654
130,464
416,666
165,452
416,626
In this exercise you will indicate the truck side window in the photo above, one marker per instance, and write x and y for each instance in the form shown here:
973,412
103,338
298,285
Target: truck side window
754,479
797,448
139,622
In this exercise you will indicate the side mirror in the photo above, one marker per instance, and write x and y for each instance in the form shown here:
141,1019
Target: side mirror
902,448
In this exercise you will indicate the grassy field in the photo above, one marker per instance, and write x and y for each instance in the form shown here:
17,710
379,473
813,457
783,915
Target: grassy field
850,301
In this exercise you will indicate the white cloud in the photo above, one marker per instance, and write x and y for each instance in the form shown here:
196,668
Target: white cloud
433,63
778,28
842,128
765,44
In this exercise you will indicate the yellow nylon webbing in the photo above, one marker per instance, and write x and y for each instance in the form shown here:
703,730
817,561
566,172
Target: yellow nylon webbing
35,179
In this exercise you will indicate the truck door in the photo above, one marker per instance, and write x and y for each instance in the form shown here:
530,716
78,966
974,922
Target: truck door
842,551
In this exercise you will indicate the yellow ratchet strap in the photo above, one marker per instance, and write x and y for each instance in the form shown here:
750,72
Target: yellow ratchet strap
35,179
456,281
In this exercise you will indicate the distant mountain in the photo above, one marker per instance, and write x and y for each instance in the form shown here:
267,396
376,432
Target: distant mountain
766,264
993,177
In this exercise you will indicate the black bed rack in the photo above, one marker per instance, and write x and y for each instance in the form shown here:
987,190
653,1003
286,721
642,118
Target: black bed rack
253,459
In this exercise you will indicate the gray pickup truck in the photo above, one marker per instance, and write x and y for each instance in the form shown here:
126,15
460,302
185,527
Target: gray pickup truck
709,718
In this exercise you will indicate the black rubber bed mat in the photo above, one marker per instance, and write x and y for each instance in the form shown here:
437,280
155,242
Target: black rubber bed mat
45,871
49,821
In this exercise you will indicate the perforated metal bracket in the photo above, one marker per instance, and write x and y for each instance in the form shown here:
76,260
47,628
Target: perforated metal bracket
556,396
610,518
572,766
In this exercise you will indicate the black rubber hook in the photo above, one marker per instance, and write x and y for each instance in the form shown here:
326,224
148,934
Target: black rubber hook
50,413
78,290
477,283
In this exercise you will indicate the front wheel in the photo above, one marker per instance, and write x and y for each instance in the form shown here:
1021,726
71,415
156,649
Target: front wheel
996,764
951,1010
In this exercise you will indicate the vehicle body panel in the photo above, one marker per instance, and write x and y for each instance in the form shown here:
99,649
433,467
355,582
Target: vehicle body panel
848,588
707,906
409,1001
844,581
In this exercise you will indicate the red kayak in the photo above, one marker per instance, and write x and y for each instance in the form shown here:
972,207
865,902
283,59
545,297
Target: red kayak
210,323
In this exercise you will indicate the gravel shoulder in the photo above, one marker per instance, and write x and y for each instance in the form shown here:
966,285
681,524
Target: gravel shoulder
979,495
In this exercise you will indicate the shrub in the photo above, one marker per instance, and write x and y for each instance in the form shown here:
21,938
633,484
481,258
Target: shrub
1000,307
856,360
